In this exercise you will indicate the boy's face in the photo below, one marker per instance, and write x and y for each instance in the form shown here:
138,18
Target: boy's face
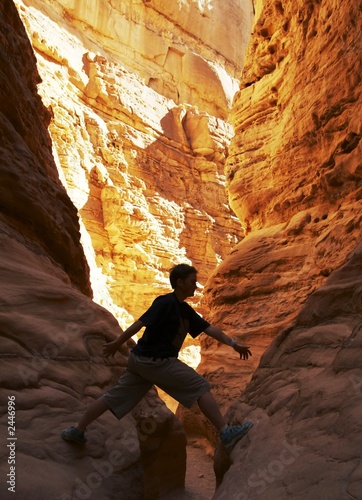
188,285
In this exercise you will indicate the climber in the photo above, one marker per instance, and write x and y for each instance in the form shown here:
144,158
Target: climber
154,361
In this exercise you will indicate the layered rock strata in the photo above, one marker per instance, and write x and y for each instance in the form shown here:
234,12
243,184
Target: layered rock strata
27,166
51,331
294,174
305,401
138,102
291,287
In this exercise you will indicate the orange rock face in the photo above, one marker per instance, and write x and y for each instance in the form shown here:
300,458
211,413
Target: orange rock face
305,402
27,166
139,103
294,180
294,169
139,151
51,331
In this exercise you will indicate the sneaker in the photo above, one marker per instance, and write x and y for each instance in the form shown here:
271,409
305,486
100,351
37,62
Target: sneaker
230,436
74,435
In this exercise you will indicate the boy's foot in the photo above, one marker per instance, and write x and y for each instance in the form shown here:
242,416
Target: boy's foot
230,436
74,435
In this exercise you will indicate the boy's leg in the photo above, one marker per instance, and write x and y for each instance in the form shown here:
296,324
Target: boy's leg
120,399
228,435
211,410
75,433
94,410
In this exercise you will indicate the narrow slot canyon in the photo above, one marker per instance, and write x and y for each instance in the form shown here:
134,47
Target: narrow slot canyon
141,134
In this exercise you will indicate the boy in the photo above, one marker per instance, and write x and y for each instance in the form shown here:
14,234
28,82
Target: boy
153,361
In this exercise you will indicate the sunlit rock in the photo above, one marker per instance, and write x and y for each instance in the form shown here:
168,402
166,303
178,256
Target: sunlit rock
52,333
138,101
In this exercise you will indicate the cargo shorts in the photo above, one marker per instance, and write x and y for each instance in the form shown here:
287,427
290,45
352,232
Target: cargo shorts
171,375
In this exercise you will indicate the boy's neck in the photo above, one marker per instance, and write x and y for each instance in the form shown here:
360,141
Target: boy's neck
180,296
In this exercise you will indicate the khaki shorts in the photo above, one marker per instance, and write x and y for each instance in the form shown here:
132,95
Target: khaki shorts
178,380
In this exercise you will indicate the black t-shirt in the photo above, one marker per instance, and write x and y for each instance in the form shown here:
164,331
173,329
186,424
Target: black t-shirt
167,323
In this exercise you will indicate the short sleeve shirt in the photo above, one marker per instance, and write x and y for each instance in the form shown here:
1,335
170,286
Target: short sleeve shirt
167,323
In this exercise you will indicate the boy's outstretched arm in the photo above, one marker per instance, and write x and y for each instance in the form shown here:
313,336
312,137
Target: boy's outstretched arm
219,335
111,348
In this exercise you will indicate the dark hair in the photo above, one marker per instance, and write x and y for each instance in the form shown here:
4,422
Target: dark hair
180,271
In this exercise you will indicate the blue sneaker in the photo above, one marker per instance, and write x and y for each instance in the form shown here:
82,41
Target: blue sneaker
230,436
74,435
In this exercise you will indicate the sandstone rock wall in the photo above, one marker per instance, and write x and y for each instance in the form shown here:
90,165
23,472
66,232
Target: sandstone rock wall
138,102
294,172
292,287
51,332
181,49
305,401
27,165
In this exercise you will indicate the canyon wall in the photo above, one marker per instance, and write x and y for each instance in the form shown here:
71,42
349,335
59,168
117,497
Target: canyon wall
139,147
293,172
52,332
138,100
111,172
291,288
305,402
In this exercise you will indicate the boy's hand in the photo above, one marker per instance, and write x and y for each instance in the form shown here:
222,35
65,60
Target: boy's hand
243,350
111,348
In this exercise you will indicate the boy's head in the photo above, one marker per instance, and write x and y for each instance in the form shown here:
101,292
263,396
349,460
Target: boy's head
181,272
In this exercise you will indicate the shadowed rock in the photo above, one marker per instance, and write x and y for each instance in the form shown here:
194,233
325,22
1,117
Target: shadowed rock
51,331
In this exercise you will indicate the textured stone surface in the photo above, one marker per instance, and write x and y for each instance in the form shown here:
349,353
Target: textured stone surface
295,116
51,332
138,101
27,166
305,401
181,49
290,288
294,180
294,171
